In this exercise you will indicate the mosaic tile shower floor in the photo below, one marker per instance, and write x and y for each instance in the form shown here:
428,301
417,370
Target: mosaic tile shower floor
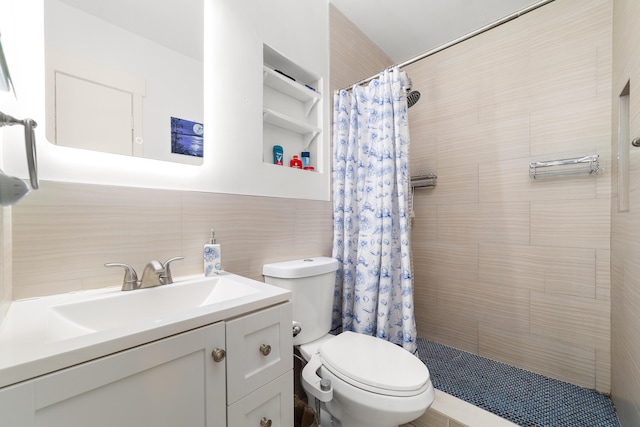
522,397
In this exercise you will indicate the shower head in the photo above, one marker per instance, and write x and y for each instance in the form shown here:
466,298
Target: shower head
412,97
407,84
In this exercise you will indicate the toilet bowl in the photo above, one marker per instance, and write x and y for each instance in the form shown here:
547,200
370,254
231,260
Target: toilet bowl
361,380
375,382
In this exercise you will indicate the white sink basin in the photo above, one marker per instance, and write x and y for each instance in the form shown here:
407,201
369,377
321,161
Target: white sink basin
45,334
143,305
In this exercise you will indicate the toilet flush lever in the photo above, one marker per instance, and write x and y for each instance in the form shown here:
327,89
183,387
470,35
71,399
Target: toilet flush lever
313,384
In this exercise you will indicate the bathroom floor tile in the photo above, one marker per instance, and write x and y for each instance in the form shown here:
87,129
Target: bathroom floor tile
520,396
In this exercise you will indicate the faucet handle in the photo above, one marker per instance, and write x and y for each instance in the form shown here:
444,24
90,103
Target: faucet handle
166,275
130,281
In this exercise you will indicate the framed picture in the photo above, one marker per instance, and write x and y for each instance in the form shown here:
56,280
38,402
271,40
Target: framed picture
186,137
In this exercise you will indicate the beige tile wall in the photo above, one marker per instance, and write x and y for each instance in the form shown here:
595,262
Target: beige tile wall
353,57
64,233
507,267
625,228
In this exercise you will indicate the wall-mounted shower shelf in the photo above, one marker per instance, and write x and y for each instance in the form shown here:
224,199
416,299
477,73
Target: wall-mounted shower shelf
424,181
573,166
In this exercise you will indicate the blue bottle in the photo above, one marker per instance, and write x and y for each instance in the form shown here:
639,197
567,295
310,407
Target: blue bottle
306,157
278,155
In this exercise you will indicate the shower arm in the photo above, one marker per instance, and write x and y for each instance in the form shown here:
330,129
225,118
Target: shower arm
30,143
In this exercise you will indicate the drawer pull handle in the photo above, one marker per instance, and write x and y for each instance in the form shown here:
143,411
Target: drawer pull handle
218,354
265,422
265,349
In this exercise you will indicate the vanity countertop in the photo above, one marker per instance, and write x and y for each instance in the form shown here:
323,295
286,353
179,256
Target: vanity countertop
36,338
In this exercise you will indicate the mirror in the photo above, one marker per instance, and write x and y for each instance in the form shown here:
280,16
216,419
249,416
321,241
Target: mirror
126,77
234,34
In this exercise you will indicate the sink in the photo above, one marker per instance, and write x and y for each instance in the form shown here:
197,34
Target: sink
45,334
120,308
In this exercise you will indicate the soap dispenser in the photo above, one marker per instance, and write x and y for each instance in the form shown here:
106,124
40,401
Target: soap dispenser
212,254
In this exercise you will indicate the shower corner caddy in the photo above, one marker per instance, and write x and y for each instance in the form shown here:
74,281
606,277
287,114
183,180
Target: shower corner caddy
562,167
291,113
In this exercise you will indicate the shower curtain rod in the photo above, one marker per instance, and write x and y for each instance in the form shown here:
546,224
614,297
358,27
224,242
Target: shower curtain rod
460,39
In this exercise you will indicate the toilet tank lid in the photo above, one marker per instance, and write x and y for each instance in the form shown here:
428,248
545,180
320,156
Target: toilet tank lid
306,267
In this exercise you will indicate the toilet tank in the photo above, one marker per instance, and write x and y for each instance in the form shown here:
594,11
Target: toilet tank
311,282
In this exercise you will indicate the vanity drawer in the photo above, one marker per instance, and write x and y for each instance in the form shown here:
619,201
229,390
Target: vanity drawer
270,405
259,350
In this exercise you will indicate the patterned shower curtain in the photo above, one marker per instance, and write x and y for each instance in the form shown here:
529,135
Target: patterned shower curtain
374,293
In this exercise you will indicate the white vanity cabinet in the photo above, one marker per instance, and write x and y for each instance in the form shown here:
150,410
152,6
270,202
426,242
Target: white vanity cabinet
181,380
259,369
169,382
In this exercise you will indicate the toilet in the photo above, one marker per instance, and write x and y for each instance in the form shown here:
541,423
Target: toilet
362,380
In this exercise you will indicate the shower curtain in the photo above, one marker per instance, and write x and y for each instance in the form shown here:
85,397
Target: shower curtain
373,293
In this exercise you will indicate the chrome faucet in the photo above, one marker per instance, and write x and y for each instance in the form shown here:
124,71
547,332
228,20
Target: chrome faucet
151,275
154,274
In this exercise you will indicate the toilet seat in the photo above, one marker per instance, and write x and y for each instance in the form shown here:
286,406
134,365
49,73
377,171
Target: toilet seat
374,364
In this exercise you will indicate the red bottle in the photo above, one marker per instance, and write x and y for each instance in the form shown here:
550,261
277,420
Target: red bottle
296,162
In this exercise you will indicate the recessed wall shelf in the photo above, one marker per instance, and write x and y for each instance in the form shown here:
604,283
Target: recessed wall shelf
309,132
292,112
289,87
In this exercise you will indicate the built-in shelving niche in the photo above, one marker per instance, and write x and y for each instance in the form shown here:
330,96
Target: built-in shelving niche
292,109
